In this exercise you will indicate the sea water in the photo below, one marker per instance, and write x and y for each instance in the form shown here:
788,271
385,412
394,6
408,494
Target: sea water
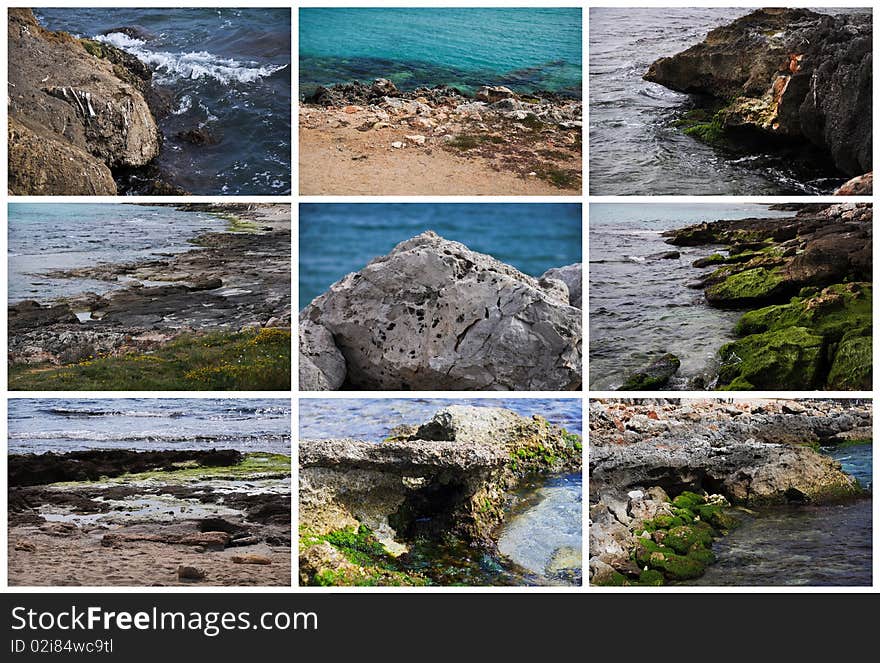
527,49
62,236
636,148
641,307
229,74
146,424
336,239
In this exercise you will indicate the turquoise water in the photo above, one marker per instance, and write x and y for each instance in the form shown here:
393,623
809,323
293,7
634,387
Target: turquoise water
335,239
526,48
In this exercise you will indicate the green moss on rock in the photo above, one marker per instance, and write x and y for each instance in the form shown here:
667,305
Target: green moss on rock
789,358
747,287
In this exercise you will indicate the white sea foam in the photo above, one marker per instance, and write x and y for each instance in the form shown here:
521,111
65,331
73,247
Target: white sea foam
170,67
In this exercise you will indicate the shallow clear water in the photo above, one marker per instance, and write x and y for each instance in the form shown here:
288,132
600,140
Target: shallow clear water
526,48
371,419
641,307
336,239
57,236
145,424
545,536
635,147
806,545
229,73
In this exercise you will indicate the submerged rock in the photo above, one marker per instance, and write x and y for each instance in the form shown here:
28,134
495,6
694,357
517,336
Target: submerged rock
654,376
433,314
791,73
69,127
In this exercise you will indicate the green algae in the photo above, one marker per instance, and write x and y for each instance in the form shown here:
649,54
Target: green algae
253,466
747,287
788,358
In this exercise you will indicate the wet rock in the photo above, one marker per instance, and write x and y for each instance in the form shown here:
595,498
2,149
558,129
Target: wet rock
91,108
653,376
27,314
132,32
433,314
449,476
198,137
572,276
862,185
791,73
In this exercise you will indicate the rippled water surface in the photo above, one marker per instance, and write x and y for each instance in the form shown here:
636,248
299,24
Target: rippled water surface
640,306
228,71
59,236
144,424
806,545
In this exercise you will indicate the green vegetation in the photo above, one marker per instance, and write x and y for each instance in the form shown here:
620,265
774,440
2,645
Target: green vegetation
560,177
370,564
705,127
256,360
234,224
255,465
746,287
819,339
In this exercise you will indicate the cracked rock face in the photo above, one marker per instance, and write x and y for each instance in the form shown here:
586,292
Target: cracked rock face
73,116
787,72
433,314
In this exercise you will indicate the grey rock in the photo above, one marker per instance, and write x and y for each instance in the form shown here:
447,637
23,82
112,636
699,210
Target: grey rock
321,364
433,314
572,276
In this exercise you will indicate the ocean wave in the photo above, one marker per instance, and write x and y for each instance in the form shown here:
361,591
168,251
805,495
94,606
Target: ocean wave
149,436
171,67
237,413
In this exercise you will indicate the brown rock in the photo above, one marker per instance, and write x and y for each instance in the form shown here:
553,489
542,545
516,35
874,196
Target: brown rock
191,573
250,559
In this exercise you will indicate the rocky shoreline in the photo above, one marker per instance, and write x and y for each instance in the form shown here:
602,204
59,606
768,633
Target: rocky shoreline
368,511
83,116
668,477
804,283
783,78
432,314
534,136
236,283
157,518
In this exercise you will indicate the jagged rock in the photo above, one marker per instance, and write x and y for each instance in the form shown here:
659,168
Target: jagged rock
86,116
433,314
321,364
28,313
494,93
787,72
572,276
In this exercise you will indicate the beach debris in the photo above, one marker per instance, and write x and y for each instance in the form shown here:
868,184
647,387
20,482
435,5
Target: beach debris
416,139
397,144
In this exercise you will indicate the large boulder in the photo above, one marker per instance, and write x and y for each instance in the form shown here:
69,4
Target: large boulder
793,73
433,314
571,276
77,110
321,364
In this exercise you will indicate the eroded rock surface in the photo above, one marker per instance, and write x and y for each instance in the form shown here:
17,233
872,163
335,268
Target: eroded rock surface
791,73
77,109
433,314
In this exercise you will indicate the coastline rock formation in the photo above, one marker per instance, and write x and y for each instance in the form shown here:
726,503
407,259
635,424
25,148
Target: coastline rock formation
432,314
78,110
805,282
664,474
789,73
446,477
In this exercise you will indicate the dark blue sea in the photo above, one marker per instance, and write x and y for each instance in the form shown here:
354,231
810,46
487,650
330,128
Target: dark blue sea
148,424
229,71
527,49
335,239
